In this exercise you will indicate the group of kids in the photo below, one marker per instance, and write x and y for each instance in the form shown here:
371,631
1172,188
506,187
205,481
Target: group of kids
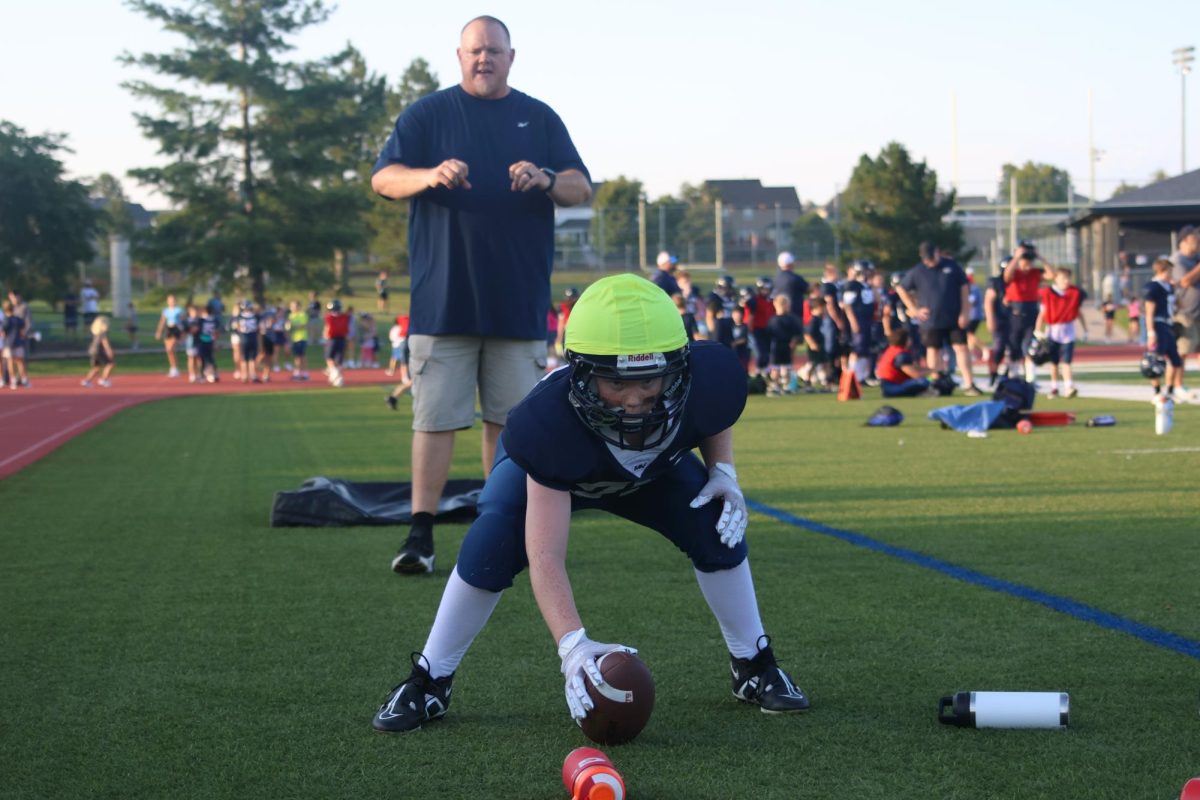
859,322
261,337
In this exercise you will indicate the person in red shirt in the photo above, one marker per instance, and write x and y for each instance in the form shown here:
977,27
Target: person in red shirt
1023,278
1060,306
899,374
570,297
337,328
758,310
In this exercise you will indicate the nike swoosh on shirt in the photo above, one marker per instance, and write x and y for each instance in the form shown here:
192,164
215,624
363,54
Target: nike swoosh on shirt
522,124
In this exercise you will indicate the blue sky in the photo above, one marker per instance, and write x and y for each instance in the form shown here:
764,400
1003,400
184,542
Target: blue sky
667,92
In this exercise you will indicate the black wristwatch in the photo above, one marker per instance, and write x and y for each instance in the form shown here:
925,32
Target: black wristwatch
552,175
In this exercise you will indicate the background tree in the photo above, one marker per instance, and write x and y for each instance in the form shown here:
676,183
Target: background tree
812,237
890,205
1036,183
46,221
615,224
264,154
388,219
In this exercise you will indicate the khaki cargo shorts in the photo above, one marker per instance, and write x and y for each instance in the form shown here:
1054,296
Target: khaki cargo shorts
1189,336
447,370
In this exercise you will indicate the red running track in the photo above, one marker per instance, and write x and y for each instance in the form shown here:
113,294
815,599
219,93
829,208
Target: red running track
39,419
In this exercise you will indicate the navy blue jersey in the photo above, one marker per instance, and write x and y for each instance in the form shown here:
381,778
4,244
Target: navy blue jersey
480,258
208,329
728,302
545,437
740,340
248,322
938,288
1162,294
785,328
861,300
791,286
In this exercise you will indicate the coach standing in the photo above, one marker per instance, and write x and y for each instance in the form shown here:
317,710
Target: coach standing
1185,273
482,165
935,293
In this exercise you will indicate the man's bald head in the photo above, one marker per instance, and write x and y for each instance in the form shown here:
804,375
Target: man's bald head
488,20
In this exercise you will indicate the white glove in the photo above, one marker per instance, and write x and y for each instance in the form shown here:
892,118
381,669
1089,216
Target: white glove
722,482
579,654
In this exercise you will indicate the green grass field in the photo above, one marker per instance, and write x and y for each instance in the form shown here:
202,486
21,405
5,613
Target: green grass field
158,639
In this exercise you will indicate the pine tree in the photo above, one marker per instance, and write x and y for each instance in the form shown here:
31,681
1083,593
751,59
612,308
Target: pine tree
263,154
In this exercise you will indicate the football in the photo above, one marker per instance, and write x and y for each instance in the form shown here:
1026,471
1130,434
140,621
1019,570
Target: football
623,707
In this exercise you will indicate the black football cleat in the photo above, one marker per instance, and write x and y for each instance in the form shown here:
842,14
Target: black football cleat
391,401
759,680
416,556
420,699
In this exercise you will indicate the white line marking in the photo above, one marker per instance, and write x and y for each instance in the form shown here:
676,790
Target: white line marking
1153,452
42,443
23,409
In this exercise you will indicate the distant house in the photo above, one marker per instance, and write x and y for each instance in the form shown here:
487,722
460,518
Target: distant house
757,220
1141,221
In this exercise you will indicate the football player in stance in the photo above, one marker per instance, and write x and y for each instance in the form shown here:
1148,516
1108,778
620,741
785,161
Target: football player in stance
614,429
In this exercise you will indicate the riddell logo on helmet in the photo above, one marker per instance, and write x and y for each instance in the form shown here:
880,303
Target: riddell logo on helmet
641,361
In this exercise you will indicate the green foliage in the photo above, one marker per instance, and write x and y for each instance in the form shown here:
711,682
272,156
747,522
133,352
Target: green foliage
264,155
1036,183
698,226
891,205
808,230
115,217
615,225
388,219
46,221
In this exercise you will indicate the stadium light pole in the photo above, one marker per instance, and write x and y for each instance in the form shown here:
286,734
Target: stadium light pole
1183,58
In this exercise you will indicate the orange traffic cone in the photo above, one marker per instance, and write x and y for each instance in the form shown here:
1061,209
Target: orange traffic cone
848,388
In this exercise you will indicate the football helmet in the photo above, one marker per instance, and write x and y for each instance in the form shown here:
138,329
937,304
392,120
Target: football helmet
726,284
1153,365
334,305
626,328
1041,350
764,282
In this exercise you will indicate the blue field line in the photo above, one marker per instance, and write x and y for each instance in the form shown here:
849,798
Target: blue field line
1064,605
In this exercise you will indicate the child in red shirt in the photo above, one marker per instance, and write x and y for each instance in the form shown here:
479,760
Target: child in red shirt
1058,313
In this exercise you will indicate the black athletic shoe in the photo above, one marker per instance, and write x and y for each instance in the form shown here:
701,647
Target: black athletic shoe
391,401
759,680
416,556
421,698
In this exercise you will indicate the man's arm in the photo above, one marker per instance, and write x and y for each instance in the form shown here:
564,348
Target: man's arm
989,312
399,181
914,312
1191,278
964,306
547,523
570,187
1148,308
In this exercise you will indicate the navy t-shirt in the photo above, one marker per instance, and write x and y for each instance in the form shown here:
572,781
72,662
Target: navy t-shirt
480,258
938,288
791,285
1162,294
665,281
545,437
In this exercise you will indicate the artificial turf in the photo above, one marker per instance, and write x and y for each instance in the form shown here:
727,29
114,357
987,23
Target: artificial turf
157,638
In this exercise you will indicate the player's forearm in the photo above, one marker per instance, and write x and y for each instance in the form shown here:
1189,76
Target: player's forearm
397,181
571,188
547,518
718,448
